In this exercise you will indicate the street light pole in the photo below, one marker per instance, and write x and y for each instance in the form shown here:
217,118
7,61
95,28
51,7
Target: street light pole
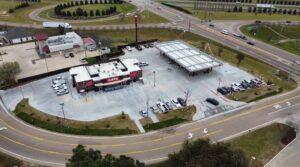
252,159
154,79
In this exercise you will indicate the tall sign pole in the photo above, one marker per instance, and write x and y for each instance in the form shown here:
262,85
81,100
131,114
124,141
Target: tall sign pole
136,29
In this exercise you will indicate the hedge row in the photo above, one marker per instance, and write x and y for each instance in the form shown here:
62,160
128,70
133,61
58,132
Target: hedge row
177,8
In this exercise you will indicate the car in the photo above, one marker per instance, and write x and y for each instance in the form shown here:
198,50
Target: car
153,109
144,113
71,55
143,64
128,48
212,25
226,32
243,37
212,101
62,93
181,101
222,90
288,21
92,49
158,7
82,60
138,47
237,35
176,103
257,21
166,107
250,43
297,62
146,45
169,105
159,105
66,55
151,45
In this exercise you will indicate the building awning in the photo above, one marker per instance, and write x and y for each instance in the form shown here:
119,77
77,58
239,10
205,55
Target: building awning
112,83
88,41
41,37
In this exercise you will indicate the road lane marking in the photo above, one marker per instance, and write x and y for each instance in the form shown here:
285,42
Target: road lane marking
165,147
33,148
162,138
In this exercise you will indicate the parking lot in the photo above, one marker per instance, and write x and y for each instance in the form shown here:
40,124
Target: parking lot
32,64
161,80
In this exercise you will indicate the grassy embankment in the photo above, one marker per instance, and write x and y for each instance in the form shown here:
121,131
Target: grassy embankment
283,37
172,118
22,15
116,125
263,144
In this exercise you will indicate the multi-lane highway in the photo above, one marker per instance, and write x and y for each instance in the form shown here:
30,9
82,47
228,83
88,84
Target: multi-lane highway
53,149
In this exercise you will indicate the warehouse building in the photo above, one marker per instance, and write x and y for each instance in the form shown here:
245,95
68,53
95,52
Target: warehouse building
111,75
188,57
69,41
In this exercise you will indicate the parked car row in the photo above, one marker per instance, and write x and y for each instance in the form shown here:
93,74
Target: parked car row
59,86
237,87
140,47
165,107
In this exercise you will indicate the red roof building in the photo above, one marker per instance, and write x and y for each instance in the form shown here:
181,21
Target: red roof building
41,37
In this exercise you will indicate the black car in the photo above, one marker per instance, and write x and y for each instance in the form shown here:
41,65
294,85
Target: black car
139,48
151,45
288,21
71,55
223,91
211,25
212,101
181,101
250,43
243,37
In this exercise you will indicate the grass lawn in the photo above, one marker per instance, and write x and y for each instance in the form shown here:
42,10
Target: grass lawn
169,119
290,33
21,15
263,143
6,160
125,7
241,16
116,125
146,17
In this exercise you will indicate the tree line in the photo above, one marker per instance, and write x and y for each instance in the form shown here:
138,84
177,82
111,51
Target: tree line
31,0
193,154
19,6
277,2
79,12
265,10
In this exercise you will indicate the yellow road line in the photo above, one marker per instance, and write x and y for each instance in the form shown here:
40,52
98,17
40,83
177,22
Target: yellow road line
154,140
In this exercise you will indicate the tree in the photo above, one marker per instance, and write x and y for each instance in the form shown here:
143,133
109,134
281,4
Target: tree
91,1
79,12
61,30
220,51
85,14
91,157
8,71
92,13
105,41
98,12
240,57
202,153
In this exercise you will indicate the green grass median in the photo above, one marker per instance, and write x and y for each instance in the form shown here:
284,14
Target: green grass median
112,126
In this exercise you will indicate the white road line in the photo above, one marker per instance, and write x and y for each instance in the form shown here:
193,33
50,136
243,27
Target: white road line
290,106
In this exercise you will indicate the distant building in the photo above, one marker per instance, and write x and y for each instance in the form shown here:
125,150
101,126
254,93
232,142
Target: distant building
114,74
17,35
46,44
89,43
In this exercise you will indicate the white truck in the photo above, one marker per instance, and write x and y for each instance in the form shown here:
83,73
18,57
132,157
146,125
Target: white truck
56,25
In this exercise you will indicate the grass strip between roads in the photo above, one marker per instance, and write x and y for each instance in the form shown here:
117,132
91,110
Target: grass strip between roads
263,143
282,36
171,118
111,126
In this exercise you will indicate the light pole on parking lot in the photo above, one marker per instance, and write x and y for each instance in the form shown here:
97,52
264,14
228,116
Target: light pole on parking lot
154,79
252,159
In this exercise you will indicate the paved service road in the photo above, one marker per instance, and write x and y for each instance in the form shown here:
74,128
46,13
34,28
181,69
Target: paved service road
53,149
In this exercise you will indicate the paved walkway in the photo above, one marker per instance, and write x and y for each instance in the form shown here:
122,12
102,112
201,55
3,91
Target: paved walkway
139,125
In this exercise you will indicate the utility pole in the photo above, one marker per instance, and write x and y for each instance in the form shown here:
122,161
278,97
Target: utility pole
154,79
136,29
62,110
189,30
187,94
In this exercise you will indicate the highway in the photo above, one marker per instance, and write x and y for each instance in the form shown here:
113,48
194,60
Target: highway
53,149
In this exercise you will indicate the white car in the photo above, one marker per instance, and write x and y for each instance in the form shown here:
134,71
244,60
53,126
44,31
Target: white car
128,48
144,113
226,32
298,62
176,103
159,105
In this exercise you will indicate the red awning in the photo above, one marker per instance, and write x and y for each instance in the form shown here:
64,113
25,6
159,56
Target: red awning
41,37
